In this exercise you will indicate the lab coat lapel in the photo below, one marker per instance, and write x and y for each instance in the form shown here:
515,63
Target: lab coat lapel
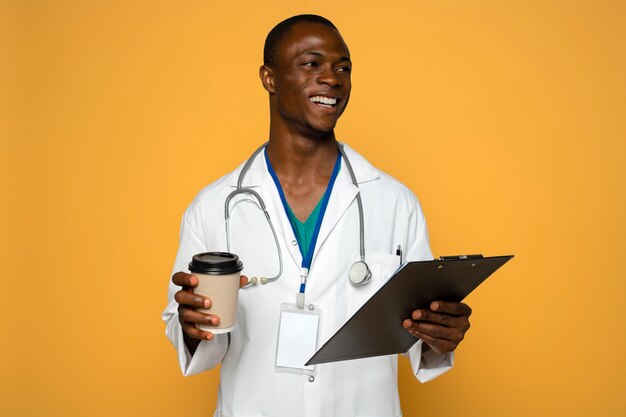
279,218
259,179
345,192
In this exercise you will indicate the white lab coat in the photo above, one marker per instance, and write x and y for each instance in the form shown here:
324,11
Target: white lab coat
249,384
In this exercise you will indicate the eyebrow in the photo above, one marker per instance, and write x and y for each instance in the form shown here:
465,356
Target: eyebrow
321,55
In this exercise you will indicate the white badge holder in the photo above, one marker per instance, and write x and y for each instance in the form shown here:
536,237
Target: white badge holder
297,338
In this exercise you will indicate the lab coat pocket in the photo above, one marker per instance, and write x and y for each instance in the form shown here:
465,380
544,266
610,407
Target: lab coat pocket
382,265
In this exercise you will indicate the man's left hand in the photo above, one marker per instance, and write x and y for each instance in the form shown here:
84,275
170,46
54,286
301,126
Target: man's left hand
442,327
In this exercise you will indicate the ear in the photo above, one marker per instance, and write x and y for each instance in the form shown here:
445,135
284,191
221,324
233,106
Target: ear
267,78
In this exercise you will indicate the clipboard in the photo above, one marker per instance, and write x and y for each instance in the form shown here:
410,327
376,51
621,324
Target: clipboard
376,328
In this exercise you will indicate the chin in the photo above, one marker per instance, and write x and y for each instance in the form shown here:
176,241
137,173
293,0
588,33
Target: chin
327,130
323,128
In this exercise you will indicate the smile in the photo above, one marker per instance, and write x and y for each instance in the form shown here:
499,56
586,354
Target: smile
324,101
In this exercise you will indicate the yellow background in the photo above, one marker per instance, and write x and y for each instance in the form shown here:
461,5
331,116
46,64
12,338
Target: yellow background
505,117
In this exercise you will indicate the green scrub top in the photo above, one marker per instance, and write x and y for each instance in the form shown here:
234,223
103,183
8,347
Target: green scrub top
304,231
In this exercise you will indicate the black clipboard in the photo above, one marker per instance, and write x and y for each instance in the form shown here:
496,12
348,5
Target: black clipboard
376,328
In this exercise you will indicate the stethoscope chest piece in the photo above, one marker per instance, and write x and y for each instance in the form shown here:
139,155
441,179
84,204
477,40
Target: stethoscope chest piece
359,274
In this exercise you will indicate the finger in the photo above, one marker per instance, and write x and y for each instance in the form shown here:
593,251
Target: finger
183,297
193,316
437,332
433,330
184,279
458,322
438,345
428,315
455,309
192,331
243,281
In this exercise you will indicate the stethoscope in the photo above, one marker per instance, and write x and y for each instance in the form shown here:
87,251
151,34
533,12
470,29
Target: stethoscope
359,273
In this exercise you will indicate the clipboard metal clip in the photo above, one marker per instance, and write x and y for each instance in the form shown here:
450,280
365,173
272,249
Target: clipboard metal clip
459,257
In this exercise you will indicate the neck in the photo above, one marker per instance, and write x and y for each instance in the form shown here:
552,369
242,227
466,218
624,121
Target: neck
300,160
303,162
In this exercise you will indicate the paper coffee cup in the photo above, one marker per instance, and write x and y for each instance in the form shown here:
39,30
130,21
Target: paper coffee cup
218,276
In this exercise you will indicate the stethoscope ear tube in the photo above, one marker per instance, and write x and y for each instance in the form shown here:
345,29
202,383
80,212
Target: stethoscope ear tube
360,207
257,196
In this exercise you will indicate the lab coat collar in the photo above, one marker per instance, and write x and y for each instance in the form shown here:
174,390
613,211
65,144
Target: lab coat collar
257,173
344,193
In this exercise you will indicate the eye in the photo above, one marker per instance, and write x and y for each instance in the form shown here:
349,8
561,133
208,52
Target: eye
311,64
344,69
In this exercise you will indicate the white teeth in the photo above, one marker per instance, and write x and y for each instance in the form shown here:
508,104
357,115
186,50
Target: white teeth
324,100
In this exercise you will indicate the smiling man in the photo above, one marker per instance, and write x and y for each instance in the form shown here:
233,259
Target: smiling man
330,210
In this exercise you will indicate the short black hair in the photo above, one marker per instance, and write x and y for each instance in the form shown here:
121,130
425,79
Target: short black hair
275,38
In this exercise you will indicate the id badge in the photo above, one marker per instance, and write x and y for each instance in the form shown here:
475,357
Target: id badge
297,338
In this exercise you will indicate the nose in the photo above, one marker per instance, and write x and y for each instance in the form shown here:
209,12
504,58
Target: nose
329,77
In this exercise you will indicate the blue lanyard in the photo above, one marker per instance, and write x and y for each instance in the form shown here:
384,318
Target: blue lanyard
307,258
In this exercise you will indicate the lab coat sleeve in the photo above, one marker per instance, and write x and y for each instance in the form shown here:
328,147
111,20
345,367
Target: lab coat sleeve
429,364
209,353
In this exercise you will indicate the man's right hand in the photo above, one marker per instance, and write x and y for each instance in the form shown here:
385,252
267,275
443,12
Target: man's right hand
188,316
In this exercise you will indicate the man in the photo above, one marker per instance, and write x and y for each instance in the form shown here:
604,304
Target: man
306,72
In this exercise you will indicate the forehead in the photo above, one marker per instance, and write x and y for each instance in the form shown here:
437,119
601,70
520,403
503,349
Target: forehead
312,37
